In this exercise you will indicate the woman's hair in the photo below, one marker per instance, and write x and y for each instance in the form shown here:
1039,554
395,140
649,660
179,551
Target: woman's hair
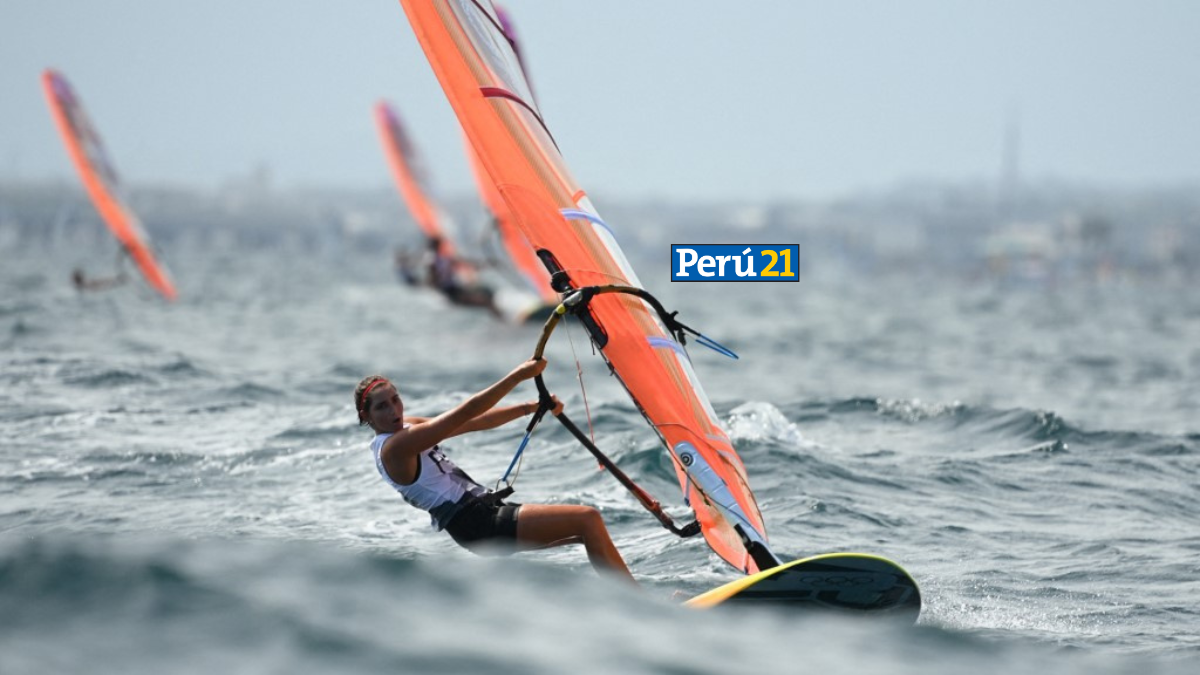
360,396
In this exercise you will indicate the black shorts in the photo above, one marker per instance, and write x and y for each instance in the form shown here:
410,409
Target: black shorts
483,525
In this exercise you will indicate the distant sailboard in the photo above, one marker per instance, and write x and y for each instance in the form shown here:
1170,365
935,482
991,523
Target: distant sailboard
640,340
412,181
100,180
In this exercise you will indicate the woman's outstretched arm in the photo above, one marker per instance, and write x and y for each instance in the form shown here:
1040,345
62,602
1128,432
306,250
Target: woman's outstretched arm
420,436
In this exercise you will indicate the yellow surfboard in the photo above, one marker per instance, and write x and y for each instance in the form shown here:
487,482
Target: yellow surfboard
851,582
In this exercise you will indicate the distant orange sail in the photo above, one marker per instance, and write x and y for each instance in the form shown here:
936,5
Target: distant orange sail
481,75
408,171
100,180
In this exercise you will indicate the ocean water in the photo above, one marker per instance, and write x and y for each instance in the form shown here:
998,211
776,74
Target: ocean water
183,487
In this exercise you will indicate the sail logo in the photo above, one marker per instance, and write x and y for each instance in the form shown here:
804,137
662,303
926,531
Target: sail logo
735,262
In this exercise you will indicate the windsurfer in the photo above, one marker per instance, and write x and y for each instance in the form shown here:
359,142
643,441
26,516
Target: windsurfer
82,283
406,266
410,459
442,273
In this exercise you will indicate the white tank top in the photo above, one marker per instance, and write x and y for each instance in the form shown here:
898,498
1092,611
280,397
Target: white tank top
439,487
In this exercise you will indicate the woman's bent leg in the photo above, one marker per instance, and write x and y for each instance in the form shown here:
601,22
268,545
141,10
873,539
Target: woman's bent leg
543,525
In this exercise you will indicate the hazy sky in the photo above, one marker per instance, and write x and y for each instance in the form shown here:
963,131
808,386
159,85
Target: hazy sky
646,98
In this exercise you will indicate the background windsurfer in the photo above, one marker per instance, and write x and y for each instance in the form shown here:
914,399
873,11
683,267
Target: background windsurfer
100,181
442,273
82,283
407,266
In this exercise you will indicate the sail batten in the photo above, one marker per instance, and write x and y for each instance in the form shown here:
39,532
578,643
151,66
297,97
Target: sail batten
473,61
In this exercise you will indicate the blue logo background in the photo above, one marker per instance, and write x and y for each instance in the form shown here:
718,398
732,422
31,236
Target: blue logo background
735,262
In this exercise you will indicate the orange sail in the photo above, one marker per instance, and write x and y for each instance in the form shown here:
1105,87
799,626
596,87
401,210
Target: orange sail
522,255
100,180
481,75
409,173
520,252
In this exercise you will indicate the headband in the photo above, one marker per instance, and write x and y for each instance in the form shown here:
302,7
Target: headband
367,392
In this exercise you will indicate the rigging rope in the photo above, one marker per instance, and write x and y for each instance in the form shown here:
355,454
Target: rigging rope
587,409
